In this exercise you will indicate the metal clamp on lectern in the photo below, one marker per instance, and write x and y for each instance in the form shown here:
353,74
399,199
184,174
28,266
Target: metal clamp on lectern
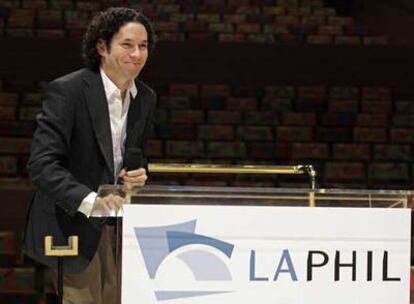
239,169
308,169
69,250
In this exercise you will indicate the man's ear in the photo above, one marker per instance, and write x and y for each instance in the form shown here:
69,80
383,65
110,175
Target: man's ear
101,47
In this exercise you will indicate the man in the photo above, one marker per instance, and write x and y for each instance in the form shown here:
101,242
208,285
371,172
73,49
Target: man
89,120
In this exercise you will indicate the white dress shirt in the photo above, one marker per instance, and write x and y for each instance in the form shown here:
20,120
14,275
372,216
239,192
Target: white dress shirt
118,114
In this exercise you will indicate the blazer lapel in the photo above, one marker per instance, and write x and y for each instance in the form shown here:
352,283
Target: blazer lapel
99,113
136,121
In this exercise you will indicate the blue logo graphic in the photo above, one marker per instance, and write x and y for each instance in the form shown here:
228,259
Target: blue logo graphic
157,243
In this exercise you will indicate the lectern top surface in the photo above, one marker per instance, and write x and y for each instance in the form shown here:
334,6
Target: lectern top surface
238,196
271,196
204,189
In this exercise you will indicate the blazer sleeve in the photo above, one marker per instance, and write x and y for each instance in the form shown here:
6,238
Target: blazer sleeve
47,165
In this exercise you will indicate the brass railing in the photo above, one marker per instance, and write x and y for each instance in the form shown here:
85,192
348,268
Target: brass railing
238,169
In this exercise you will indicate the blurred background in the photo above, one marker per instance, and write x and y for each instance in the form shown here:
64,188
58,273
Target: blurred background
326,83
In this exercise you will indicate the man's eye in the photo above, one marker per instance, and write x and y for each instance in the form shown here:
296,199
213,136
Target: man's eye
143,46
126,45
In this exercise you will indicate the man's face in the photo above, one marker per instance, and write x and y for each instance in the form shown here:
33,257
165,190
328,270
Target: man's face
128,52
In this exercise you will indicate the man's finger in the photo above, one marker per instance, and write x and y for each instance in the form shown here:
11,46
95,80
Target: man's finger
135,179
122,173
112,202
102,206
129,186
136,172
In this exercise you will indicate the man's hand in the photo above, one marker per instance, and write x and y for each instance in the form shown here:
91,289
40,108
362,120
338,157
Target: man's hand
133,178
108,205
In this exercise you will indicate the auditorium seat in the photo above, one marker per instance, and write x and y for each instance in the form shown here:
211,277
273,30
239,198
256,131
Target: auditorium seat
270,22
362,133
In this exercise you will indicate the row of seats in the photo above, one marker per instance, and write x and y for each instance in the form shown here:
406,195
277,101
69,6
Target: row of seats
284,22
356,136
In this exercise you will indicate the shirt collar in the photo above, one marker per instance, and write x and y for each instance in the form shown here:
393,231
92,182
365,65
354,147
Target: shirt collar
111,88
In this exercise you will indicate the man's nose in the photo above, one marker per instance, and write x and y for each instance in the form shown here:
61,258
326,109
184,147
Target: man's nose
136,52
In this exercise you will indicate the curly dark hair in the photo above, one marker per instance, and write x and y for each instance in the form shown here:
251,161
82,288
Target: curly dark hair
105,25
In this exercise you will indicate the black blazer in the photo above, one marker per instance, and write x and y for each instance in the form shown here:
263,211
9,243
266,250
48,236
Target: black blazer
71,155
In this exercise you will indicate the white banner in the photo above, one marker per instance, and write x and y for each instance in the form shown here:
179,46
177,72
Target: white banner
265,255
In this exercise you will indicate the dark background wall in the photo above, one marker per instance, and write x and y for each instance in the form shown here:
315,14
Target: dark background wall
392,18
327,83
